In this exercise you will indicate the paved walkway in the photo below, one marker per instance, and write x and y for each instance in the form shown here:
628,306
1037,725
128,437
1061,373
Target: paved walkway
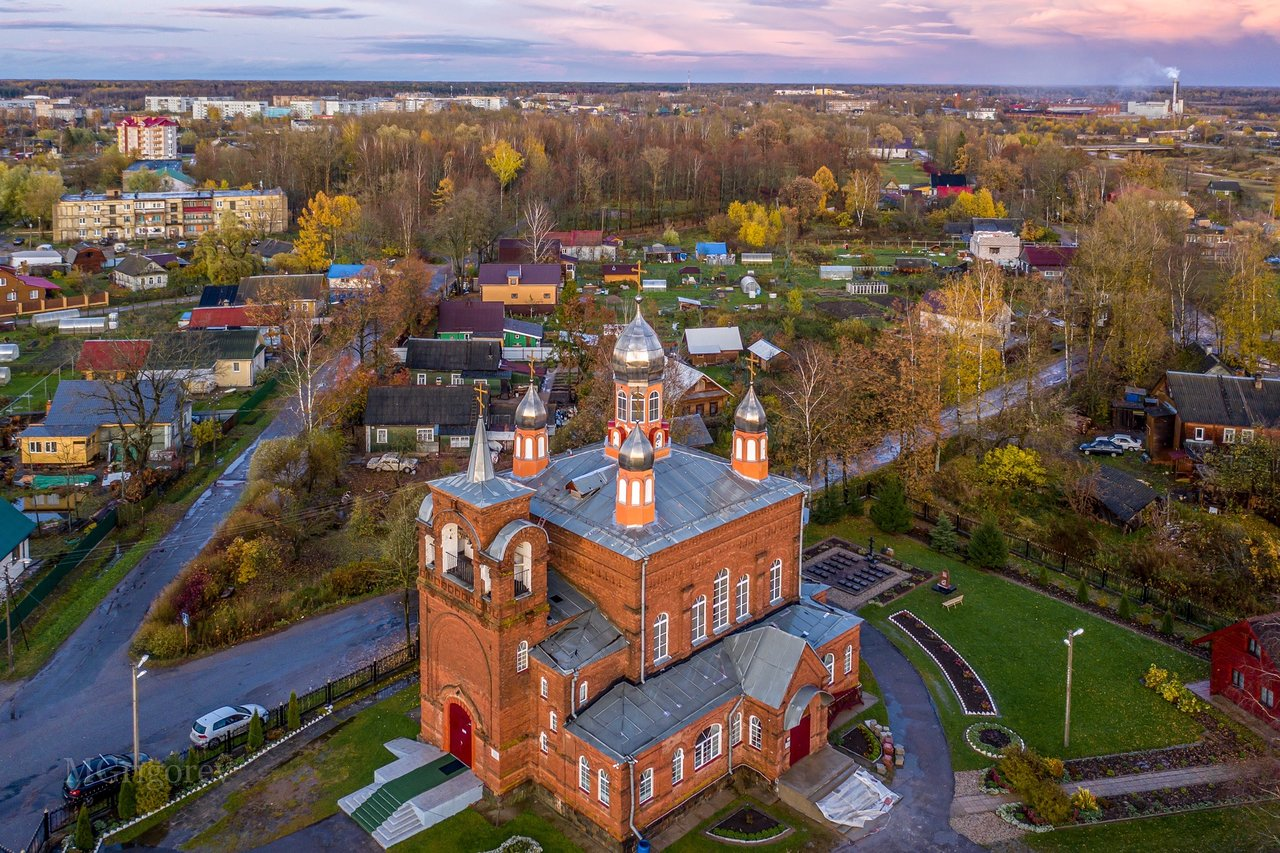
920,820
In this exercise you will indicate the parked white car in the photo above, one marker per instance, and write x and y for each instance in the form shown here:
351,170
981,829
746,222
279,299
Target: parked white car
228,721
392,462
1124,440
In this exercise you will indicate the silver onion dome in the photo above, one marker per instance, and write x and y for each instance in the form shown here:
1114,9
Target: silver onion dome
750,416
531,413
636,453
638,355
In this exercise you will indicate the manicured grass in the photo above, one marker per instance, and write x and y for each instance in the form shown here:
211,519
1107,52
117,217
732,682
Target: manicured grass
807,835
1013,638
903,171
307,787
1236,828
468,831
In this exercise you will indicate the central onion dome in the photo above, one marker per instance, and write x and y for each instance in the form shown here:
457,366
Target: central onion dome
636,453
750,415
638,355
531,413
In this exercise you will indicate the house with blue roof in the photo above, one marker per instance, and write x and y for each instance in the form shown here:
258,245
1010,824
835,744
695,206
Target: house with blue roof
347,280
714,253
15,544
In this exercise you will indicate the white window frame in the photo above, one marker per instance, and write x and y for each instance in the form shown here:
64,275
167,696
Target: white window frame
742,598
554,722
542,688
755,733
1199,434
698,619
720,601
661,627
584,774
380,436
646,784
677,767
707,747
602,786
1246,435
829,662
522,656
735,729
582,693
848,659
775,581
1228,435
426,434
542,741
33,447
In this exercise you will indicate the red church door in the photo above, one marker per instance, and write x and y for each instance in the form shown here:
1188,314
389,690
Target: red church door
800,740
460,733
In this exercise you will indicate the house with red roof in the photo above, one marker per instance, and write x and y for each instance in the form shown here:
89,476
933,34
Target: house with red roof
112,359
584,245
1245,666
1047,261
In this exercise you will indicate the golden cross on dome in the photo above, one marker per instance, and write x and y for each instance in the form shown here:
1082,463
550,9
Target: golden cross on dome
481,389
751,367
639,272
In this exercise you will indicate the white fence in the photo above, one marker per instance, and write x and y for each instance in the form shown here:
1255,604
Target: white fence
539,354
865,288
757,257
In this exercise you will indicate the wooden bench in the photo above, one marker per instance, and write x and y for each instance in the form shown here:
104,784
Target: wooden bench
952,602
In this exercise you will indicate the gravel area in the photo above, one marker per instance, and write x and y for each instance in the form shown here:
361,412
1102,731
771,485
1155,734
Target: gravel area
985,829
968,782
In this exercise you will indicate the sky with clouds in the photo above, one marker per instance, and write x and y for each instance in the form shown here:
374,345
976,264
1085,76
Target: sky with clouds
1033,42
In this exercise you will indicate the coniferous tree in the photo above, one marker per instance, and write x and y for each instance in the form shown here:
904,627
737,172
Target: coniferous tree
987,548
127,801
1166,622
256,737
890,512
1082,592
943,536
293,719
1125,608
82,838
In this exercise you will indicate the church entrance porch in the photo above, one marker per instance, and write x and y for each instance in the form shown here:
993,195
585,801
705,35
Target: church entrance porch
460,733
800,739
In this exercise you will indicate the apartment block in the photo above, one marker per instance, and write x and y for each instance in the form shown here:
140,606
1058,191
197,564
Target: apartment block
168,103
173,215
148,137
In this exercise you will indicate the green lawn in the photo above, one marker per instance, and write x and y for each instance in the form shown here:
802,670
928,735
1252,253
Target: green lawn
807,835
903,171
312,781
468,831
1013,638
1238,828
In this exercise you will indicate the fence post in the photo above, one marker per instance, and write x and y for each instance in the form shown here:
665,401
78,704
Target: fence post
1104,579
375,672
328,692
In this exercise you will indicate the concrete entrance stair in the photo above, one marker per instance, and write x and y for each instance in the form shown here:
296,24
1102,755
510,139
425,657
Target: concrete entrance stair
422,787
813,778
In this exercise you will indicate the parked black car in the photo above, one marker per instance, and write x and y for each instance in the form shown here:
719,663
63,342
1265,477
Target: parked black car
97,774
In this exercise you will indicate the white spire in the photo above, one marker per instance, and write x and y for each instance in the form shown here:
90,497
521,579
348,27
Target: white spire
480,467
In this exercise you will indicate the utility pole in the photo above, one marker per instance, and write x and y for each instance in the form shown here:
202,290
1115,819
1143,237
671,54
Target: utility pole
1071,647
137,672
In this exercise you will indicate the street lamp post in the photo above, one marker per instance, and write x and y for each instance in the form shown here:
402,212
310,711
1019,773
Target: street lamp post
137,672
1071,647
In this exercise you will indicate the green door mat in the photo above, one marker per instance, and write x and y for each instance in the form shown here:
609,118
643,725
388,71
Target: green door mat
373,812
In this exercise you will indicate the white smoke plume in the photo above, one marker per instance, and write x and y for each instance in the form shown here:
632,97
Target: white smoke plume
1172,73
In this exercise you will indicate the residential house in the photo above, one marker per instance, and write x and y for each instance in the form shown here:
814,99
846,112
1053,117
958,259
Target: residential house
348,280
215,295
521,333
1119,497
516,250
15,545
436,362
307,293
944,184
469,320
112,359
82,423
627,274
691,431
238,355
1225,188
986,223
1196,412
419,418
183,214
1245,665
998,247
660,254
912,266
136,272
522,288
268,248
584,245
168,260
694,392
765,353
993,321
88,259
22,294
714,345
173,179
37,261
1047,261
716,254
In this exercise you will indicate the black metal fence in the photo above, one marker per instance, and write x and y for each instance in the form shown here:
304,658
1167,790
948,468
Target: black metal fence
58,818
1095,576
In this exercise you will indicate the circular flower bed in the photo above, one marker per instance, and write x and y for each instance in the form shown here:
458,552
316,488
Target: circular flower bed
863,742
748,824
1015,814
991,739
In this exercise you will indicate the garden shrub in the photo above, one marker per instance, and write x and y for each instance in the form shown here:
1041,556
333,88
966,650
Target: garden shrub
943,536
1084,800
890,512
352,579
1082,592
1043,576
160,641
987,548
293,719
127,799
82,838
256,737
1048,801
152,787
1166,622
1125,610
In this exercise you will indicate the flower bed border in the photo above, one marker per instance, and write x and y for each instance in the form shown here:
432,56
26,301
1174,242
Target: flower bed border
970,736
1008,813
994,712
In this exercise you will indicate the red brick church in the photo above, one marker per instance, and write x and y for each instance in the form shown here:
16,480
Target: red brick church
623,626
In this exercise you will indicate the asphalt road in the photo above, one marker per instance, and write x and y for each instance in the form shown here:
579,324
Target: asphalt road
79,704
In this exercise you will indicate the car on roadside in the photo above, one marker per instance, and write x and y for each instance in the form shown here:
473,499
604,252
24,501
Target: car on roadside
226,722
392,462
99,774
181,244
18,241
1125,440
1102,447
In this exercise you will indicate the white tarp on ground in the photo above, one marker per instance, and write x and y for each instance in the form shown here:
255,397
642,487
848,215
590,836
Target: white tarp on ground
857,800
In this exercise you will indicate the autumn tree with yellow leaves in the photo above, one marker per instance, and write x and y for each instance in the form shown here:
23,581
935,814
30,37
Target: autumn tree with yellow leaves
325,223
505,162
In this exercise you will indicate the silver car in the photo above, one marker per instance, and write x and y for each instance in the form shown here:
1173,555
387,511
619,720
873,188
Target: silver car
226,722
